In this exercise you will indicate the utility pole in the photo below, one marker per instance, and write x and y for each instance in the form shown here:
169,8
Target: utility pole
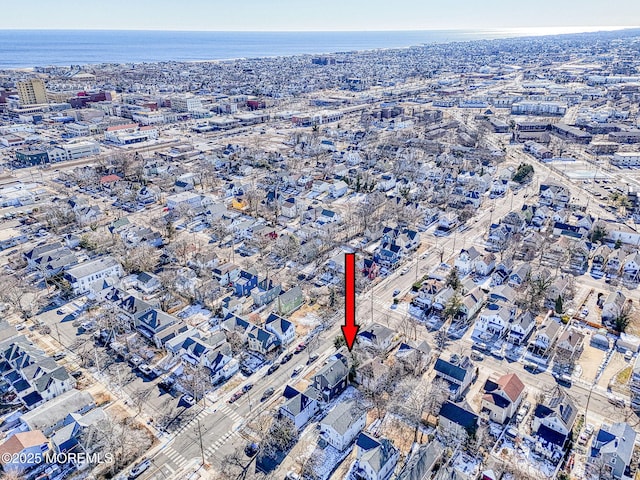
200,441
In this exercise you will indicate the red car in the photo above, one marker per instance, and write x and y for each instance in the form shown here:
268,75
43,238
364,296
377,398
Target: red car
301,347
236,396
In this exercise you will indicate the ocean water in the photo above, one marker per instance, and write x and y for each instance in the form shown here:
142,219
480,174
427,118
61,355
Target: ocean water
31,48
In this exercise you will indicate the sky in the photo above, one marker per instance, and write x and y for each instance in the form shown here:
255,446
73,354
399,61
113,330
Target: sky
299,15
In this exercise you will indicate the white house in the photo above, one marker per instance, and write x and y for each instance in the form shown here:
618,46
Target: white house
465,260
521,327
343,424
299,408
90,276
484,264
281,328
376,459
187,199
493,319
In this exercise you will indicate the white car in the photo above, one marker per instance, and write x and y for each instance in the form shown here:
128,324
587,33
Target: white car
404,271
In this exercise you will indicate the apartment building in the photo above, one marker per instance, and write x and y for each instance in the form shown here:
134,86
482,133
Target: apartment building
32,92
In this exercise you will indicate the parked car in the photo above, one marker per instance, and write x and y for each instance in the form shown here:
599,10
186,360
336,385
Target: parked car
297,370
188,400
59,356
139,469
312,358
273,368
286,357
300,347
236,396
267,393
247,387
396,292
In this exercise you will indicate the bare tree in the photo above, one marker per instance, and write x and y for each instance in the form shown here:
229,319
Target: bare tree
123,438
24,298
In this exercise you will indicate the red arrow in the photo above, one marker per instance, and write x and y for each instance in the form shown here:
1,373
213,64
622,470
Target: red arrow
350,329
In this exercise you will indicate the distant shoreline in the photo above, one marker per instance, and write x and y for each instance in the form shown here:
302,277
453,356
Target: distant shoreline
56,48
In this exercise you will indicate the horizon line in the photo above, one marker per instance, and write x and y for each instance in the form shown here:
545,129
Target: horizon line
574,28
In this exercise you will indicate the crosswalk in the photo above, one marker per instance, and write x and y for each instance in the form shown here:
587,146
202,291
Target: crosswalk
214,447
192,423
229,412
175,457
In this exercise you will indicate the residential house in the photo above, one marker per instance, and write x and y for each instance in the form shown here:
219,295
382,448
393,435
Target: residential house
299,407
516,221
459,373
261,340
332,379
34,377
338,189
289,208
343,424
569,345
226,273
631,267
290,300
552,423
615,261
471,304
427,293
634,384
556,289
376,459
553,194
414,357
612,307
493,320
545,337
521,327
457,419
613,447
157,325
283,329
148,282
499,236
90,276
25,450
377,336
422,463
75,425
502,272
501,397
599,258
50,416
484,264
49,260
519,275
465,260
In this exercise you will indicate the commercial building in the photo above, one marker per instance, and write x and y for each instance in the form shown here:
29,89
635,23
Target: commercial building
538,108
130,133
32,92
186,104
626,159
